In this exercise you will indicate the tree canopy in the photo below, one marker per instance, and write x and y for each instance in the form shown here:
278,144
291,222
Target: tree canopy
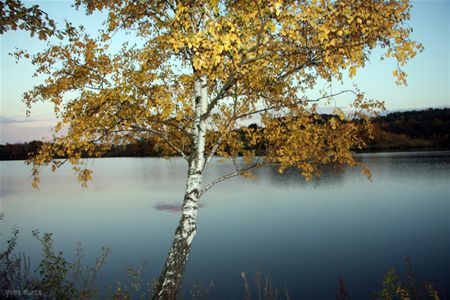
259,57
14,15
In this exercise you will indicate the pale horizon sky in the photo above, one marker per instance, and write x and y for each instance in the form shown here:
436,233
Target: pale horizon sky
428,73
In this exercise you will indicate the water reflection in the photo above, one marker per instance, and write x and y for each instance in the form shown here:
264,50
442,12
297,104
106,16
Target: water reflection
171,207
305,234
292,176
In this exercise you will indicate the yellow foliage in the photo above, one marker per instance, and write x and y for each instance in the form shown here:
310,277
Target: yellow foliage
258,57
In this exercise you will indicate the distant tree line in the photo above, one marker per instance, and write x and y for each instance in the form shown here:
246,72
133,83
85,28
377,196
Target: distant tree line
412,129
142,148
18,150
425,129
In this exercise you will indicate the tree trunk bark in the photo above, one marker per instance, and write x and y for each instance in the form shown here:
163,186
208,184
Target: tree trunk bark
170,279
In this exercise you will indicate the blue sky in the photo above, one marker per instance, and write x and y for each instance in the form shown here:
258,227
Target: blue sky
428,73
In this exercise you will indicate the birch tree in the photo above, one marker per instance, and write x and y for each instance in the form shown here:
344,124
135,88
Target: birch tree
198,71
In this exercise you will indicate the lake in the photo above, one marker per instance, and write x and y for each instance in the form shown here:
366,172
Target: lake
305,235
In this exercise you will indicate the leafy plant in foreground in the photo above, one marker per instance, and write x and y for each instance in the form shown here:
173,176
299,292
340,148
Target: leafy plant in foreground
14,268
405,287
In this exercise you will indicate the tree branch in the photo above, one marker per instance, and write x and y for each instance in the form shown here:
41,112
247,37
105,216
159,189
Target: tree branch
294,104
165,138
231,175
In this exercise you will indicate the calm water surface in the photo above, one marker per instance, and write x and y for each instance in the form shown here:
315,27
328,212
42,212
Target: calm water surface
306,235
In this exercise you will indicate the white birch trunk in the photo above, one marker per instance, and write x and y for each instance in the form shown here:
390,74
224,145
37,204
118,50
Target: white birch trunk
170,278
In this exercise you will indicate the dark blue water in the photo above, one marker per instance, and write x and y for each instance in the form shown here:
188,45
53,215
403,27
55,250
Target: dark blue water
305,235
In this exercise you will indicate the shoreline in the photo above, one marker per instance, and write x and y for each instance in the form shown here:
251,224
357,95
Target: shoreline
378,151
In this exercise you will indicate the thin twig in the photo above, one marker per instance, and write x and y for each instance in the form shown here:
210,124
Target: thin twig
165,138
295,103
231,175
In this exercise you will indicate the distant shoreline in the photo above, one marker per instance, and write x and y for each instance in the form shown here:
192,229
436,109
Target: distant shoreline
378,151
406,131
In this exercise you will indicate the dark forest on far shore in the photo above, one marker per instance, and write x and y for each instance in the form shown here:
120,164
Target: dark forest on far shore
410,130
